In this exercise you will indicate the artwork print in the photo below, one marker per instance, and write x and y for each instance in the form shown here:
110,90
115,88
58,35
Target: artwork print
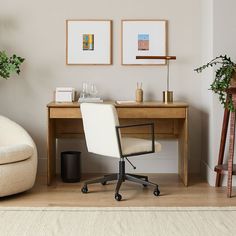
143,42
143,38
88,42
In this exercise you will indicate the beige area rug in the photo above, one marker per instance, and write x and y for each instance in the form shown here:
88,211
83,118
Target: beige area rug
143,221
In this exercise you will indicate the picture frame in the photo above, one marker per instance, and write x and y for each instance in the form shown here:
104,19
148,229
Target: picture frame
88,42
143,38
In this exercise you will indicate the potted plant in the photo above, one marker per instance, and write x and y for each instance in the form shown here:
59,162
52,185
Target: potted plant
9,65
224,78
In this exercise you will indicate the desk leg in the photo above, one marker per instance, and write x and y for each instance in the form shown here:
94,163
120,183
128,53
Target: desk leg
183,149
51,150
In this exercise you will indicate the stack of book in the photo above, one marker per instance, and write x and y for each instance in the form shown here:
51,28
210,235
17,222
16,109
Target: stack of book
90,99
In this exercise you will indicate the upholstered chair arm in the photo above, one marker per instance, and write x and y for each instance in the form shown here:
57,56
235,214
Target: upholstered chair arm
119,138
14,153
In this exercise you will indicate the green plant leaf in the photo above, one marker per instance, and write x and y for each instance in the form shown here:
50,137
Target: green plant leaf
223,75
9,65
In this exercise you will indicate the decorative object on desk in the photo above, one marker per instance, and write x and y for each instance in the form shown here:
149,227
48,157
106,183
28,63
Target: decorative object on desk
84,93
139,93
89,94
143,37
9,65
88,42
167,95
65,94
93,91
224,78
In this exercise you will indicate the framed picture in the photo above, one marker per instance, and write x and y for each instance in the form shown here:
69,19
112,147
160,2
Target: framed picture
88,42
143,38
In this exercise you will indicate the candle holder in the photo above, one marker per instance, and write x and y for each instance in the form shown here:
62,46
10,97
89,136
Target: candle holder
168,96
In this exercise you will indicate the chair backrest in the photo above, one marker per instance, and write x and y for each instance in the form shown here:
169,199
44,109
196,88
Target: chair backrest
99,121
12,133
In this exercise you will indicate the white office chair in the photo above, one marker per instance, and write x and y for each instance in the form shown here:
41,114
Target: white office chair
102,133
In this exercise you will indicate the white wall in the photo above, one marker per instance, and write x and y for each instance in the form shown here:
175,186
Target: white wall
36,31
207,97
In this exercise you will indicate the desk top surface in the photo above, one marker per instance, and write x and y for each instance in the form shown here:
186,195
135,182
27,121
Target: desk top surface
124,105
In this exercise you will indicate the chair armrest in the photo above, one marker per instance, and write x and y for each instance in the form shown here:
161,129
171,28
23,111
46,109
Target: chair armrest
119,127
15,153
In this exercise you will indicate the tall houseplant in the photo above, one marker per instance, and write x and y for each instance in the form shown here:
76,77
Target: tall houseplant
9,65
224,74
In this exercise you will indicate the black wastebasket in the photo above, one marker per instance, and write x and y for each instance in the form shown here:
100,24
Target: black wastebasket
70,166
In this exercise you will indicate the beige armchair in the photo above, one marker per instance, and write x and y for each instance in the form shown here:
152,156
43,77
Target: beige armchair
18,158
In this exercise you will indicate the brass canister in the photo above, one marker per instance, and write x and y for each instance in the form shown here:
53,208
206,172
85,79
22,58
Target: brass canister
167,96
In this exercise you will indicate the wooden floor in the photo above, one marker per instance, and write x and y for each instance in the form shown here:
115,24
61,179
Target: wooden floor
173,193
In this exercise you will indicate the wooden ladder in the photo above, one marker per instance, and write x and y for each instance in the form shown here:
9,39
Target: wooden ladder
228,168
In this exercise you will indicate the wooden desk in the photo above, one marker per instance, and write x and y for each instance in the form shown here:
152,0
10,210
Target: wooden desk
171,121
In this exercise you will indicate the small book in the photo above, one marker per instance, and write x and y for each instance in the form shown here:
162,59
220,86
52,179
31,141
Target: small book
124,102
90,100
64,89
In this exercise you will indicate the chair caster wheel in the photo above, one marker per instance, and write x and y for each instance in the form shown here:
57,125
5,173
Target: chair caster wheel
118,197
156,192
104,183
84,189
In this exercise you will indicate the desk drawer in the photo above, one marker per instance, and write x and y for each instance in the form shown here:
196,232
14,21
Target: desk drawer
170,112
65,112
164,128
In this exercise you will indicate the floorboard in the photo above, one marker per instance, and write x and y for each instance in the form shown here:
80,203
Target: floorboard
173,193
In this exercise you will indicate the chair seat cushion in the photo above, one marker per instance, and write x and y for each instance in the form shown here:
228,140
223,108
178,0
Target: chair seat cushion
15,153
134,145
